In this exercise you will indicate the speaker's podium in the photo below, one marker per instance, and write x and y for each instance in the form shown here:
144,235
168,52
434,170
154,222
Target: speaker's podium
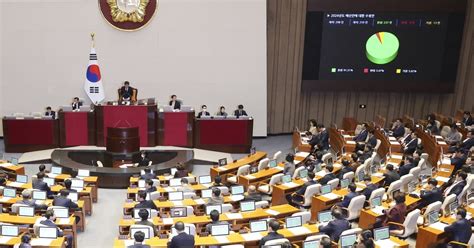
123,144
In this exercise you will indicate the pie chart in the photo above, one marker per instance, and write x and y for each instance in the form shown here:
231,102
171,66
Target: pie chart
382,48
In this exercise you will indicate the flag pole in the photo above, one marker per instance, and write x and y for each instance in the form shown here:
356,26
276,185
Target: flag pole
93,39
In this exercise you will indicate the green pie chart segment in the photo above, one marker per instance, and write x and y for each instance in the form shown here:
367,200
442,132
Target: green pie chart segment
382,48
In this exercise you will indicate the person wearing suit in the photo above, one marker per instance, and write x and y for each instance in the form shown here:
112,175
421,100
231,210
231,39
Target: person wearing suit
252,194
50,112
398,212
216,197
329,175
410,147
181,171
431,194
335,227
352,193
460,230
398,129
289,167
67,185
126,92
369,187
240,111
372,139
143,214
175,103
362,136
76,103
273,234
458,160
298,197
467,120
454,136
221,112
214,214
407,166
26,200
467,143
390,175
40,185
203,112
149,186
139,237
182,240
62,201
458,185
323,141
50,222
143,203
346,167
148,174
143,160
25,241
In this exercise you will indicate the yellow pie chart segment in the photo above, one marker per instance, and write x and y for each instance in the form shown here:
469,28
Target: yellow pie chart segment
382,48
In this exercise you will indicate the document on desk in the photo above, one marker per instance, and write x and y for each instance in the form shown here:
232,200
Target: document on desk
250,177
63,221
5,199
299,230
252,236
378,174
177,203
52,175
378,210
128,242
442,143
386,243
167,221
170,189
235,198
200,201
4,239
332,196
321,173
234,216
222,168
222,239
346,136
290,185
15,184
446,161
351,142
394,143
392,138
272,212
396,156
442,179
439,226
207,185
41,242
6,165
302,154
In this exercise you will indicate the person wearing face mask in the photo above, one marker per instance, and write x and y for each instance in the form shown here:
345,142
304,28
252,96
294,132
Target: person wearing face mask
76,104
221,112
203,112
174,102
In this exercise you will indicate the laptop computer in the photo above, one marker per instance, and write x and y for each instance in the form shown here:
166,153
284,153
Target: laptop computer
204,179
77,184
48,233
141,183
61,212
83,173
344,183
311,244
9,192
453,206
206,193
376,202
293,221
303,173
146,231
21,178
317,167
433,217
39,195
220,230
348,241
9,230
246,206
222,161
26,211
56,170
286,179
213,207
381,233
176,196
326,189
49,181
324,216
73,196
175,182
237,190
272,163
258,226
178,212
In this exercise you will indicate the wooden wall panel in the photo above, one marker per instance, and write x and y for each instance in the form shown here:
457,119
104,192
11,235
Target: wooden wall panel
288,106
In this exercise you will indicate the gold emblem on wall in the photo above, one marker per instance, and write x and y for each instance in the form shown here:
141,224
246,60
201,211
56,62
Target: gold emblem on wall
128,15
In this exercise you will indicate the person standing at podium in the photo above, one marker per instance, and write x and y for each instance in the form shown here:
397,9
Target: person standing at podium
144,160
174,102
76,104
126,92
221,112
50,112
240,111
203,111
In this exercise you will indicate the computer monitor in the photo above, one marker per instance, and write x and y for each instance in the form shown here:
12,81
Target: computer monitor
176,196
73,196
206,193
83,173
48,233
9,192
77,183
286,179
324,216
222,161
433,217
317,167
220,229
348,241
258,226
204,179
48,181
26,211
175,182
376,201
39,195
9,230
237,190
141,183
22,178
453,206
293,221
381,233
412,186
178,212
146,231
246,206
136,210
344,183
56,170
213,207
61,212
326,189
272,163
303,173
253,150
311,244
14,161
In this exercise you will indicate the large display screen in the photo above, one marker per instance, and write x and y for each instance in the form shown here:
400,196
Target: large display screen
382,50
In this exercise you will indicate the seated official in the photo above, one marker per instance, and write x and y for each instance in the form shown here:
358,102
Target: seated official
40,185
372,140
203,112
460,230
252,194
25,241
139,237
454,136
181,171
297,198
148,174
369,187
430,194
143,202
398,130
221,112
217,182
144,160
127,93
26,200
325,243
42,169
346,167
185,186
216,197
362,136
273,234
289,167
458,185
329,175
397,213
432,127
50,112
76,103
321,141
458,160
62,201
408,164
143,214
175,103
467,143
335,227
214,214
67,185
366,153
390,175
467,119
3,184
366,240
50,222
410,147
240,111
149,186
348,198
182,240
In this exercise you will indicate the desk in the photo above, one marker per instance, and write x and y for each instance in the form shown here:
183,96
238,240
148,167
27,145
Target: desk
76,128
25,135
175,129
90,181
259,176
55,243
16,169
223,171
224,135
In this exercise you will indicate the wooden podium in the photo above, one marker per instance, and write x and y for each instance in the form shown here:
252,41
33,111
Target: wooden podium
123,143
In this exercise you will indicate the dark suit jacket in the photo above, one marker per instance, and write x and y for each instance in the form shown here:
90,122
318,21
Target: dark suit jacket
76,105
239,113
39,184
151,189
303,188
411,146
32,203
143,162
52,114
270,236
405,169
138,246
428,197
253,197
126,93
334,228
148,223
344,170
372,141
390,177
458,162
460,230
203,113
321,140
182,240
146,204
148,176
347,199
465,146
64,202
457,189
399,132
328,177
49,223
361,136
177,104
468,121
368,190
24,245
